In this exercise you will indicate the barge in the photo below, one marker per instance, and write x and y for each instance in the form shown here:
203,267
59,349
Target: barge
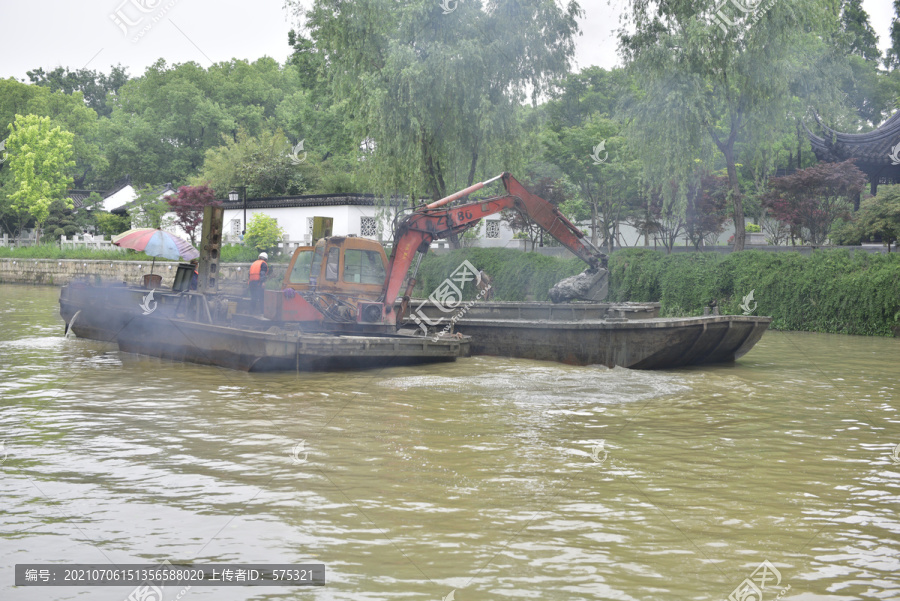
612,334
184,326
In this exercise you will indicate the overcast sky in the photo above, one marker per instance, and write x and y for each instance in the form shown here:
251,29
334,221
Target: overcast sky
85,33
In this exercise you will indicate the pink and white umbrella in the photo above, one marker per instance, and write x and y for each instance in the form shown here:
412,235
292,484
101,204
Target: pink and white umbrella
156,243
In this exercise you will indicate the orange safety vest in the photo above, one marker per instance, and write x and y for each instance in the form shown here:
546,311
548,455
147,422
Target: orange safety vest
256,268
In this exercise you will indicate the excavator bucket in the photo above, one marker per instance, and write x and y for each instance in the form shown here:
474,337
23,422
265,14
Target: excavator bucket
590,285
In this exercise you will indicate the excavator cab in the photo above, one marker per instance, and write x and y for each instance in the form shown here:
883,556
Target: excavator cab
339,278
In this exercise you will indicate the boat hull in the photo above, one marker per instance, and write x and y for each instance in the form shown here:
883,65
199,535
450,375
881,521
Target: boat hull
625,334
115,315
644,344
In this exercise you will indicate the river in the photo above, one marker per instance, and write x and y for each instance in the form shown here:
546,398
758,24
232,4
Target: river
485,479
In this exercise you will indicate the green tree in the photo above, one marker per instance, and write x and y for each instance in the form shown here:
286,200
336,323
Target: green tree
705,82
860,37
110,224
892,56
40,158
880,215
594,155
438,94
164,121
261,163
149,208
68,221
263,232
69,111
60,222
312,113
95,86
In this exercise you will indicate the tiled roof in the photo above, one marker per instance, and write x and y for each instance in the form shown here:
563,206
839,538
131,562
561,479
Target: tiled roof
871,148
78,197
313,200
159,191
121,183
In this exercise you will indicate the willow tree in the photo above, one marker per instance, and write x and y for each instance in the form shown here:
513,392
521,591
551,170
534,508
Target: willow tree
711,73
436,87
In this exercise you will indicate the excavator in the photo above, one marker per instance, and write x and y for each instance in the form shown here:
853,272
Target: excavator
348,284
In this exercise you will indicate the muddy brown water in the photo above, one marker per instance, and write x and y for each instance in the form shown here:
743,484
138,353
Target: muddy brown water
489,478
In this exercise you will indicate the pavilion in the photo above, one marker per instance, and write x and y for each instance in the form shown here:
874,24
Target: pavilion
877,152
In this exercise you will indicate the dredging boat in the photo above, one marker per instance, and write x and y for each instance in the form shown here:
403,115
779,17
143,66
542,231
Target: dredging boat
344,303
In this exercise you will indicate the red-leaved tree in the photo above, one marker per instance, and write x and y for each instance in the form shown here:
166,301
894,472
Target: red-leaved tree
188,203
707,210
810,200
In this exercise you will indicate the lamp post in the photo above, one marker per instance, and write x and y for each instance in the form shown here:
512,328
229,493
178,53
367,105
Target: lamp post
234,196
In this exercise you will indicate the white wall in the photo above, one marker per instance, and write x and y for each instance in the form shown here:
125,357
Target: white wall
295,220
122,197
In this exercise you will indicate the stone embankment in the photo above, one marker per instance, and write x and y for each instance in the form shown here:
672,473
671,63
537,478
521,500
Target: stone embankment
59,272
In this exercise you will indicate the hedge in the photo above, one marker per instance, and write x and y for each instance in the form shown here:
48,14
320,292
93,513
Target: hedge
515,275
828,291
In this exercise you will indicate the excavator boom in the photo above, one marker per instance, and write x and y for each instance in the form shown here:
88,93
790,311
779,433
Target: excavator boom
435,221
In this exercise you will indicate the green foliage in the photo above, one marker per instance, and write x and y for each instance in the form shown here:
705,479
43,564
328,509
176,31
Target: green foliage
892,56
880,216
40,157
238,253
93,85
109,224
53,251
60,222
846,233
515,275
704,86
164,121
829,291
148,208
399,67
263,232
752,228
859,36
594,155
66,110
261,163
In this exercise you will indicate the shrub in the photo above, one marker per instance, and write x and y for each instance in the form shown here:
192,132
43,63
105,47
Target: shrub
515,274
829,291
263,232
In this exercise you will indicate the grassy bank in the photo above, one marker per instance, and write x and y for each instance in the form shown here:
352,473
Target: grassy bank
829,291
231,253
52,251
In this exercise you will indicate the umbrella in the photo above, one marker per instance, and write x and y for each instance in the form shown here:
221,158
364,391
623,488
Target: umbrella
156,243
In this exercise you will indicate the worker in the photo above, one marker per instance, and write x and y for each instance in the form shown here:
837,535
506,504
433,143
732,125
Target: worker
195,277
259,270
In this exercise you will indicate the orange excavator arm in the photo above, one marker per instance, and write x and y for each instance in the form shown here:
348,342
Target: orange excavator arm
436,221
